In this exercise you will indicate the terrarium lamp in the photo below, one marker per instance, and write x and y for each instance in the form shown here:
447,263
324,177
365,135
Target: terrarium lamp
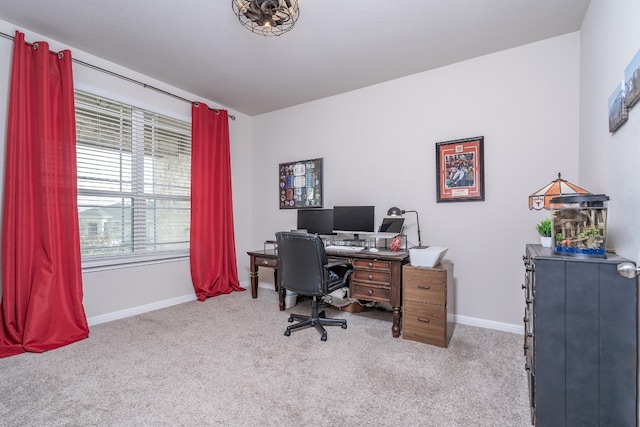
394,211
559,187
267,17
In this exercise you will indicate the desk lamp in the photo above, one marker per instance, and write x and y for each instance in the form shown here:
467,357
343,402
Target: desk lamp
394,211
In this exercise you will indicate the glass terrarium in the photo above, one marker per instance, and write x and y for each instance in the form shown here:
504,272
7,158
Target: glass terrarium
579,225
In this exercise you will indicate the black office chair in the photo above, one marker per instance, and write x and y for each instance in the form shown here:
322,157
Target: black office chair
303,268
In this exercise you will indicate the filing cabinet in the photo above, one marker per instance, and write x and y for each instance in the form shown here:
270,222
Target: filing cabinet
427,298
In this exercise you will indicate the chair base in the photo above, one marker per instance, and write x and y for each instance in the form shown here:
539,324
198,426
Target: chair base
317,320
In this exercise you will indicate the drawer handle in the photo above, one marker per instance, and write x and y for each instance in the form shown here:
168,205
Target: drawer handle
265,262
370,277
370,265
422,319
370,292
427,287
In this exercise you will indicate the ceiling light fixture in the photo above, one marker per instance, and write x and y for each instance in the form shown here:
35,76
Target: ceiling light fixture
267,17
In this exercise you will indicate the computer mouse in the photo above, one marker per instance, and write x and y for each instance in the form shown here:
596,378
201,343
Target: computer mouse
374,250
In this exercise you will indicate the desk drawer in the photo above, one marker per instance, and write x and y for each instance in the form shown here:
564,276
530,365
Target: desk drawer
369,291
267,262
371,264
372,276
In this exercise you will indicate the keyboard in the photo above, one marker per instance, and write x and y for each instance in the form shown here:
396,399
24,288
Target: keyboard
338,248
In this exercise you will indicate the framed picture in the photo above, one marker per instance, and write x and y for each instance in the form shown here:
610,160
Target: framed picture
300,184
618,114
632,82
460,170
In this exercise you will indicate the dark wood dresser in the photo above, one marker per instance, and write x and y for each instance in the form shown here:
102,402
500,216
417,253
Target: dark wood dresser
580,340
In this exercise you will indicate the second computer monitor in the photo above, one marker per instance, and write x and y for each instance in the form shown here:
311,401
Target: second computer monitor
354,219
316,221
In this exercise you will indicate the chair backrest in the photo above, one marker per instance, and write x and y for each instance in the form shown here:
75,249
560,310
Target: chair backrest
302,263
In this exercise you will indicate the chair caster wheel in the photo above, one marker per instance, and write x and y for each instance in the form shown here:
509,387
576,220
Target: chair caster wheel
290,320
344,326
287,333
323,337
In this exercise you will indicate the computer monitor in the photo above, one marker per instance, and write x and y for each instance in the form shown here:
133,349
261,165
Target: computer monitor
354,220
316,221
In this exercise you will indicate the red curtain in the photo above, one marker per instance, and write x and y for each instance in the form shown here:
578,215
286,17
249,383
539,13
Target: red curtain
41,306
213,250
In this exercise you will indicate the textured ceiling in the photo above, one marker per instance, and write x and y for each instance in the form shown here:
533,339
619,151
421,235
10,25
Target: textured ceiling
336,45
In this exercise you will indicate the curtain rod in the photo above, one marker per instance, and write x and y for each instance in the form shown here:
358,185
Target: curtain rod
129,79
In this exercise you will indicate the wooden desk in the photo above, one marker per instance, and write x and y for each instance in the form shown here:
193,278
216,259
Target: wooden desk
376,276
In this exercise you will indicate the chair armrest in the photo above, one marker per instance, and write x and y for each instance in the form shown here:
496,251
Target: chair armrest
333,264
341,277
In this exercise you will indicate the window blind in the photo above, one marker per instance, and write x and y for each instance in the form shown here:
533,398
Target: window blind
134,171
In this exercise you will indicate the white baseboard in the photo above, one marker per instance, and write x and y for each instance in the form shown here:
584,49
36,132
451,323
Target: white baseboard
103,318
488,324
263,285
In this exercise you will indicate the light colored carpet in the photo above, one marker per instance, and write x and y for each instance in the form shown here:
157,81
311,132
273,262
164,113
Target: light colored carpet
226,362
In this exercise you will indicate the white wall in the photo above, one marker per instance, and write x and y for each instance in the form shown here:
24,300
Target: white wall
609,162
378,146
112,293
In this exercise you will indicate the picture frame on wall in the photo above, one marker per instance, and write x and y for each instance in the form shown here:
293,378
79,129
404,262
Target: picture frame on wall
460,170
632,82
618,113
300,184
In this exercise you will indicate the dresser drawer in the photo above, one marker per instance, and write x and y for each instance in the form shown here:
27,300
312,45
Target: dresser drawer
425,323
370,291
267,262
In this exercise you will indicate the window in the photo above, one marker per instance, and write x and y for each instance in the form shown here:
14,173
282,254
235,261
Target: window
133,182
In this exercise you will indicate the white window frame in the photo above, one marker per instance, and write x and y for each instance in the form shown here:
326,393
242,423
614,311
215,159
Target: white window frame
139,253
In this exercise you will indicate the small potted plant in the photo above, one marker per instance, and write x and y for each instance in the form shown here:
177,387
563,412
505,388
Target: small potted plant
544,230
